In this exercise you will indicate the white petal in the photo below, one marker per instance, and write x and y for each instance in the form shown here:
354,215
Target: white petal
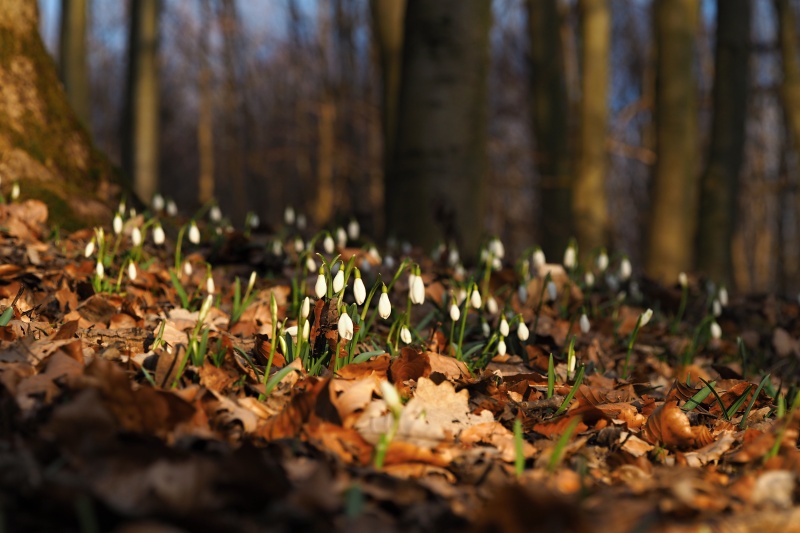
384,306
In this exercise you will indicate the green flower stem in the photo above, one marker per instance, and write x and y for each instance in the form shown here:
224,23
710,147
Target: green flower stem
631,342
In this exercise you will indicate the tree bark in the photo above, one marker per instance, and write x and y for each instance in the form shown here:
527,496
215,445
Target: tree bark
675,192
73,63
790,85
719,187
140,152
589,205
42,142
205,116
549,106
435,187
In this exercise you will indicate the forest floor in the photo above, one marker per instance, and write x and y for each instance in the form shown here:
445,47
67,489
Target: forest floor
127,405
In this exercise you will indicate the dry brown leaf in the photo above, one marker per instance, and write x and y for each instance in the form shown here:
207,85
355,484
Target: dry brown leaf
669,426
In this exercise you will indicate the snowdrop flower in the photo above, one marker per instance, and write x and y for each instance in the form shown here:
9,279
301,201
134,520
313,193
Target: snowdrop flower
625,269
194,233
158,235
205,308
89,250
501,346
215,213
722,296
570,257
491,305
299,245
136,236
384,305
117,224
461,295
459,271
455,312
338,280
390,396
405,335
522,331
172,208
252,282
497,264
453,257
584,324
613,282
475,298
417,289
496,248
277,248
15,191
305,330
373,253
321,287
288,215
389,262
291,331
645,318
157,203
187,268
538,259
311,265
305,308
683,281
572,361
602,261
301,221
341,237
132,271
522,294
345,326
353,230
255,221
359,290
503,326
100,270
210,288
552,291
121,207
327,244
588,279
716,331
716,308
485,329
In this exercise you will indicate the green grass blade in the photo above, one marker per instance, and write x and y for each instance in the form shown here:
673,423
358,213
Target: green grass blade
698,398
277,377
572,391
5,318
764,381
179,289
738,403
366,356
719,399
558,449
551,377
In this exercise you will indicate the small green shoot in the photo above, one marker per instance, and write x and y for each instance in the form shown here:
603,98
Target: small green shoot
551,377
763,382
7,315
728,412
558,450
572,391
699,397
519,455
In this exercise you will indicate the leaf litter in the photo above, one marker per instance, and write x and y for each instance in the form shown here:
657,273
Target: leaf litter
110,420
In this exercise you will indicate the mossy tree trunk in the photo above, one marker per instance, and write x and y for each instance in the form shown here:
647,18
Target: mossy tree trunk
435,187
73,61
42,142
719,188
674,192
549,106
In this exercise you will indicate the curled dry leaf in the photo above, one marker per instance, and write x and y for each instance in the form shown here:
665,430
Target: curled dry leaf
669,426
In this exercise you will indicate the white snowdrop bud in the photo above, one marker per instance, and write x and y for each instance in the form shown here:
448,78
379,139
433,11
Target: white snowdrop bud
187,268
522,294
132,212
453,257
722,296
552,291
306,330
132,273
475,298
15,191
384,305
646,316
417,290
569,258
321,287
158,203
277,248
353,230
301,222
504,326
485,329
390,396
458,271
136,236
491,305
251,282
172,208
255,221
338,281
389,262
341,237
538,259
683,281
373,253
117,224
100,270
210,288
288,215
522,331
121,207
158,235
194,233
311,265
496,248
455,312
327,244
588,279
291,331
205,308
602,261
305,308
584,324
89,250
497,264
405,335
625,269
572,361
501,347
716,308
215,213
461,295
716,331
299,245
359,290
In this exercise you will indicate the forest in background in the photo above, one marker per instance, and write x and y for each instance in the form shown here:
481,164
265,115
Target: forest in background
260,105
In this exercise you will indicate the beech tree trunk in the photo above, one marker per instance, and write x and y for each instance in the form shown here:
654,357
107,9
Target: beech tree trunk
42,142
205,116
435,187
73,60
673,212
719,192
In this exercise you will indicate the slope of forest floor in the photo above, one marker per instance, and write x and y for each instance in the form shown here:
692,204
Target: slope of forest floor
129,402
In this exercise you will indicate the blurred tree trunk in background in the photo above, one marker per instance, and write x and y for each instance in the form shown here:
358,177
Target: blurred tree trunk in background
42,143
719,187
436,184
140,124
387,27
674,192
326,128
589,205
790,86
549,106
205,118
73,58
